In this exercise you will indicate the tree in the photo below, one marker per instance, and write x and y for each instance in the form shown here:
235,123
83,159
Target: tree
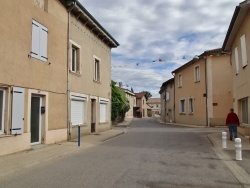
120,104
147,94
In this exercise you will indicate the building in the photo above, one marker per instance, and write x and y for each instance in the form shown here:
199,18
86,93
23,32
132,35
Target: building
167,101
155,106
141,104
89,72
55,73
132,102
203,89
237,41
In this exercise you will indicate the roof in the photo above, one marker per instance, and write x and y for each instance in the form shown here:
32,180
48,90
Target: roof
205,53
127,91
90,22
140,95
165,84
239,15
153,101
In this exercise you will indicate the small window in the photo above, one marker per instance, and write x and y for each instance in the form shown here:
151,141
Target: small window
191,106
39,41
96,70
243,50
167,96
182,106
75,57
42,4
236,57
179,80
197,73
2,105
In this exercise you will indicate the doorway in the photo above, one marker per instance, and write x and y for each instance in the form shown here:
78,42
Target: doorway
93,115
35,120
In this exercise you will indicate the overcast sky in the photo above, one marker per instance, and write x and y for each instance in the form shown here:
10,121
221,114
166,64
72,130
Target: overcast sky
158,36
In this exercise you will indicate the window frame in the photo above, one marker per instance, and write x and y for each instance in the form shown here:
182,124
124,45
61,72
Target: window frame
2,113
244,110
236,58
97,69
191,105
103,102
243,50
182,110
77,58
197,74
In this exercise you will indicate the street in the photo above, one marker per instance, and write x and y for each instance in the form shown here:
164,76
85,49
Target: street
150,155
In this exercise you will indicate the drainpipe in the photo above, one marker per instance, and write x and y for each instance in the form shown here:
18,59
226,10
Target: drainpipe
206,92
68,90
174,100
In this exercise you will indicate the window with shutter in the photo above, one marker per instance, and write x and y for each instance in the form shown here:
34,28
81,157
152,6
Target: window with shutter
236,56
103,112
2,105
243,50
39,41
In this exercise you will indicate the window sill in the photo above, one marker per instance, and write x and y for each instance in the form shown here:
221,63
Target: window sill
197,81
191,113
182,113
74,73
244,66
98,82
102,123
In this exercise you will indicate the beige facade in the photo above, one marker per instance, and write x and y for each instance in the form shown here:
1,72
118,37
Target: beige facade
141,104
132,102
33,81
154,107
38,80
237,42
203,90
167,101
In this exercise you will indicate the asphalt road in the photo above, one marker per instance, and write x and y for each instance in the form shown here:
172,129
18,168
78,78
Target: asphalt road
149,155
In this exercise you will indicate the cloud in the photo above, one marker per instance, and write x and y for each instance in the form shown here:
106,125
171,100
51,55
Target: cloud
168,29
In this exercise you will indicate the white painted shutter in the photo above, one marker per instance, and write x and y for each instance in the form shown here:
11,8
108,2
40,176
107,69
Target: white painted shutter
103,112
43,42
35,39
77,112
236,56
243,50
17,111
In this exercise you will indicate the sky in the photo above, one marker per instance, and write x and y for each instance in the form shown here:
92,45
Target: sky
158,36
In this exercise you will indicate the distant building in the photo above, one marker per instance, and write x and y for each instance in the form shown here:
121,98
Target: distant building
167,101
155,106
141,105
132,102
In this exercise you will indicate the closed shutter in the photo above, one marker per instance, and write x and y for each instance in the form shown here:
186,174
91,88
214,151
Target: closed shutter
17,111
243,50
103,112
35,39
236,56
43,43
77,112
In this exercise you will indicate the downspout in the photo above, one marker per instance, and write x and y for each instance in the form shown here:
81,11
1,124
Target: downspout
174,100
206,91
68,90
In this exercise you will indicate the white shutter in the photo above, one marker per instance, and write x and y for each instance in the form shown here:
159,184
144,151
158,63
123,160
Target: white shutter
236,56
103,112
17,111
35,39
243,50
43,43
77,112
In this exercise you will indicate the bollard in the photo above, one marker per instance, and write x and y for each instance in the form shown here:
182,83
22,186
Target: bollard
79,134
224,140
238,149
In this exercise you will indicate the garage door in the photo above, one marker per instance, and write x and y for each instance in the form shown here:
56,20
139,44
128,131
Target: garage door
77,112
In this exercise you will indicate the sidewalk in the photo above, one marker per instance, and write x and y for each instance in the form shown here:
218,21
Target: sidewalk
41,153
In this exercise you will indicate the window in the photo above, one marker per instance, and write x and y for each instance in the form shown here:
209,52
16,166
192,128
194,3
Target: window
197,73
244,109
96,70
75,50
42,4
236,57
180,80
78,114
243,50
103,111
39,41
182,106
167,95
2,99
191,106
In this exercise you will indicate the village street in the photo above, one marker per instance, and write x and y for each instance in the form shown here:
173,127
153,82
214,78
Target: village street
149,154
